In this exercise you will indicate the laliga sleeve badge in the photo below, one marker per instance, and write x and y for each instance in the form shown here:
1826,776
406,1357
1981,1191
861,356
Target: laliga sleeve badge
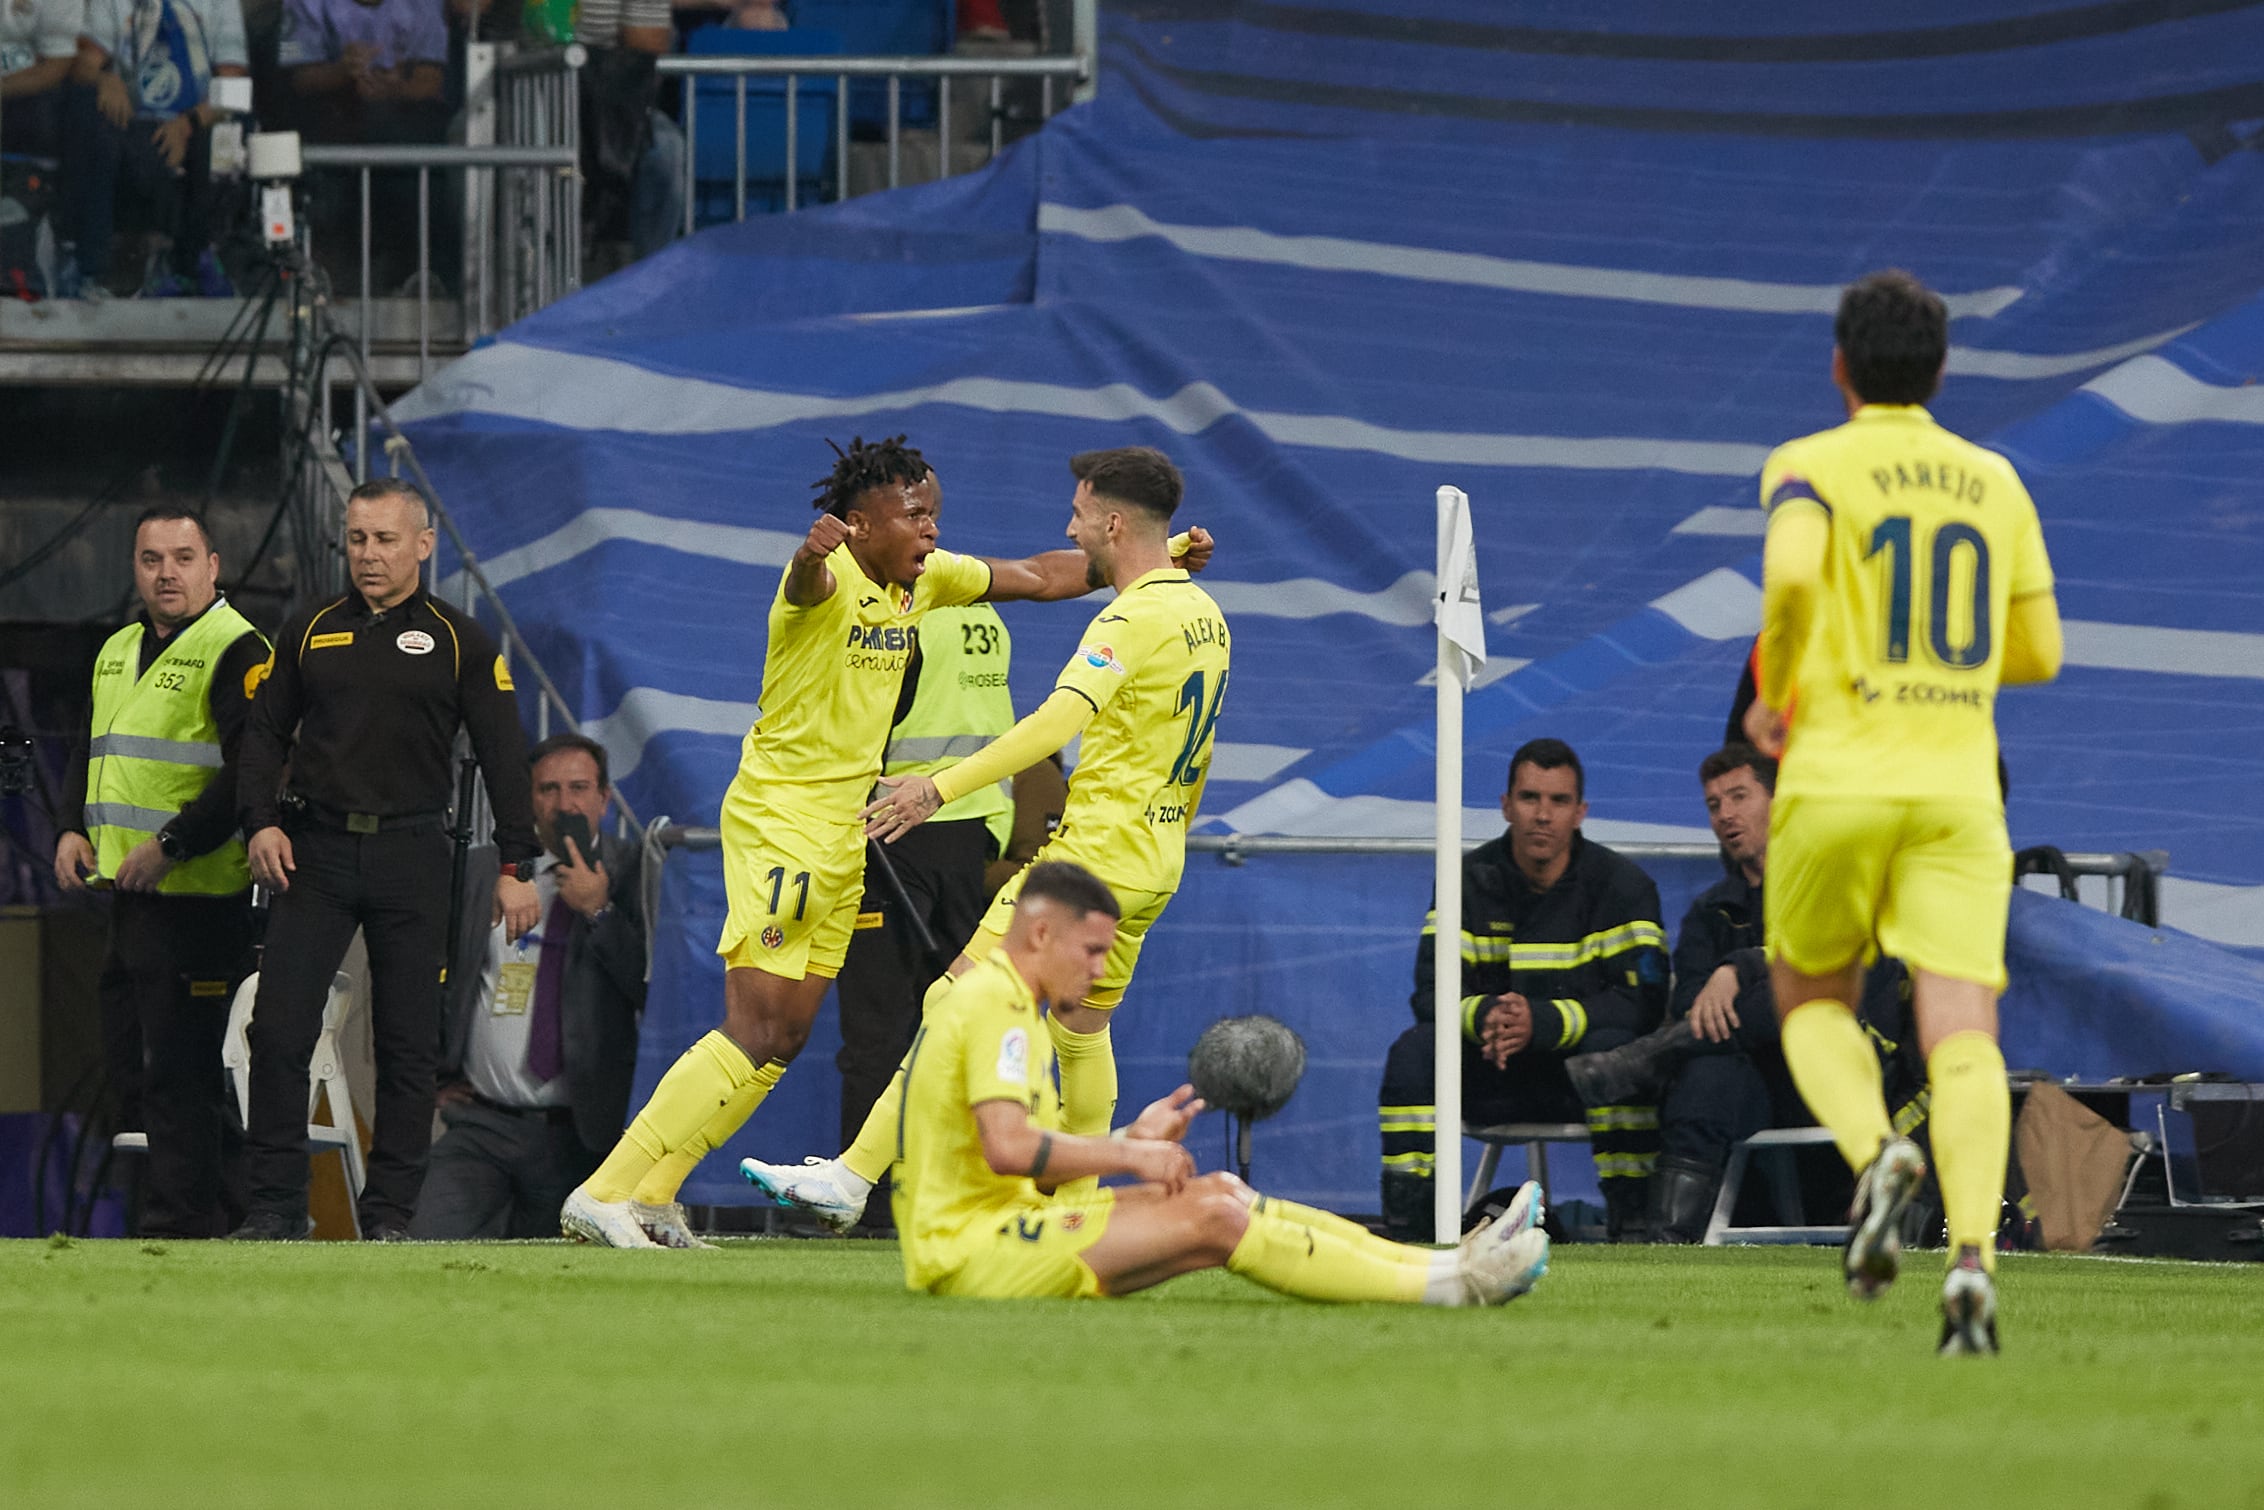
773,936
1014,1056
413,642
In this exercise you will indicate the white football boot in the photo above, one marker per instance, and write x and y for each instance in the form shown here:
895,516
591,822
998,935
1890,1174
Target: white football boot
1504,1264
1526,1210
666,1226
825,1188
1969,1308
609,1224
1874,1220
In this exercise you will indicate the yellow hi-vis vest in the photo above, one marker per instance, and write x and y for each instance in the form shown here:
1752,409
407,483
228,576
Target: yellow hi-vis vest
960,705
156,747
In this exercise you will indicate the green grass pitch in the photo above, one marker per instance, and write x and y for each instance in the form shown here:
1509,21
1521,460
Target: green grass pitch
800,1373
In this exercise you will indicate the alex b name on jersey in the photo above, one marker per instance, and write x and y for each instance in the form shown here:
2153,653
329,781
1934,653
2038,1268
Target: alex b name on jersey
1200,632
1940,476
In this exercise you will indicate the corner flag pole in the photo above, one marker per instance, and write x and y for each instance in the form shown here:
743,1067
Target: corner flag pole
1462,649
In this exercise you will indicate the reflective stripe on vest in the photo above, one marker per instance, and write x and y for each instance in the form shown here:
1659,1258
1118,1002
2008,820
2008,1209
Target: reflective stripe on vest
960,705
155,747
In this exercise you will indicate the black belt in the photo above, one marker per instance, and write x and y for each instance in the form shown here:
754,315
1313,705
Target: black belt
551,1114
363,823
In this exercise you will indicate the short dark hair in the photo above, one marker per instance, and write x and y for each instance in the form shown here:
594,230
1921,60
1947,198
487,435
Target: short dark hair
1138,475
1072,886
1893,333
1549,755
393,487
1738,755
569,740
864,467
165,513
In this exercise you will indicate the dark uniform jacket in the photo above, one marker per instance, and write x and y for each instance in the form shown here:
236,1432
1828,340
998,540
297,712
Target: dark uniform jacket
364,707
1588,953
600,1001
1722,922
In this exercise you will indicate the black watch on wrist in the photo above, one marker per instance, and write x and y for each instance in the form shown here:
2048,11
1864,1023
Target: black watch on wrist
172,846
519,870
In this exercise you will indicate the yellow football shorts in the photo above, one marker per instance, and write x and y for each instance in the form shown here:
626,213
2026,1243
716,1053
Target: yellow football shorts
1140,910
1925,881
1038,1254
793,882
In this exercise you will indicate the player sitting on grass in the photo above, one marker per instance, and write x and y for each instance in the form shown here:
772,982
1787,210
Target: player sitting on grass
979,1146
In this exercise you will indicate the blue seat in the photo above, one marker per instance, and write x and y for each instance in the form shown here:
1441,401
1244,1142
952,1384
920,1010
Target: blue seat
713,128
883,28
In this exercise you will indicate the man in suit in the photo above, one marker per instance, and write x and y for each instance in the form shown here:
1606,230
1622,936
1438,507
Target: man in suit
540,1039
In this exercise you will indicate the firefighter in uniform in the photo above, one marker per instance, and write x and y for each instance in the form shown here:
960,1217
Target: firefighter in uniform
364,698
954,702
1562,953
155,796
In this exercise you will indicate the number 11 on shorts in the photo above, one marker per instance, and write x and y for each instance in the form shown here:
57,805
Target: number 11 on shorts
778,890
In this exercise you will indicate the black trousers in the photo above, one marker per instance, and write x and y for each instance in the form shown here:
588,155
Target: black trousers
172,968
1729,1091
1533,1087
940,866
500,1173
394,887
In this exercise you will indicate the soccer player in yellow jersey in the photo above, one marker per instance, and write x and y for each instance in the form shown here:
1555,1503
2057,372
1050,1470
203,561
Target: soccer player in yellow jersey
979,1144
1144,688
841,631
1905,580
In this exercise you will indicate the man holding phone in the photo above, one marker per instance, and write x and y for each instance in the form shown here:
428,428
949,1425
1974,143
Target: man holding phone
540,1033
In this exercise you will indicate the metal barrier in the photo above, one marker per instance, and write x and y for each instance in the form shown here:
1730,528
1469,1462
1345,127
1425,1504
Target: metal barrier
538,103
1074,71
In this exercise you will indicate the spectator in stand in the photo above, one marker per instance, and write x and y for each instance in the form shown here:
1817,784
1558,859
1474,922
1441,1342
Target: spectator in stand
756,15
367,70
140,108
38,39
632,154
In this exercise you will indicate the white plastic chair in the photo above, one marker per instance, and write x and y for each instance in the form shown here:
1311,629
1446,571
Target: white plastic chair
326,1080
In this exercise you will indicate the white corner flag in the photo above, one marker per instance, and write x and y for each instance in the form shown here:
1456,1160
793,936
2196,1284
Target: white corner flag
1462,651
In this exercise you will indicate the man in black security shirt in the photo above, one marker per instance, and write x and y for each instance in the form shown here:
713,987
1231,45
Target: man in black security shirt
363,701
1562,953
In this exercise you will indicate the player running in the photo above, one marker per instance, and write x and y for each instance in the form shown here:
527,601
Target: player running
1144,688
1905,581
841,631
980,1142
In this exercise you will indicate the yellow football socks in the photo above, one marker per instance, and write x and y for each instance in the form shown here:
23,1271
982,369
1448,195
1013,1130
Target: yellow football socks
1318,1263
701,1089
1972,1117
1837,1070
1328,1221
1088,1079
875,1149
660,1184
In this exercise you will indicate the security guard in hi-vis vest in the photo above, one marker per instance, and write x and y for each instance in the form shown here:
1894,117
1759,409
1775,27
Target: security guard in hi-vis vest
954,702
151,815
362,704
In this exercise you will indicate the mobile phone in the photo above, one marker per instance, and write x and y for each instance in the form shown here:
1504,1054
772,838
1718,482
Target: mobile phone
577,828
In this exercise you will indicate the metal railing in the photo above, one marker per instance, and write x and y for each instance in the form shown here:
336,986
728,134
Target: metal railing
538,103
1073,72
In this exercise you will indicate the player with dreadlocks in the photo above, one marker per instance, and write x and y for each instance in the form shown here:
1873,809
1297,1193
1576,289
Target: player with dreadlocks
841,631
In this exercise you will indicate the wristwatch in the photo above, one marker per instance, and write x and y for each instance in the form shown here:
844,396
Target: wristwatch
172,846
519,870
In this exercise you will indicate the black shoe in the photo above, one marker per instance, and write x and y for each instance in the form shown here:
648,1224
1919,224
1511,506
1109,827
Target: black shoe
386,1232
1632,1073
273,1227
1627,1209
1682,1198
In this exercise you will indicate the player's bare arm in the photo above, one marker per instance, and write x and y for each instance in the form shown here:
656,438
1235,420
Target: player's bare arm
1052,576
1012,1146
808,580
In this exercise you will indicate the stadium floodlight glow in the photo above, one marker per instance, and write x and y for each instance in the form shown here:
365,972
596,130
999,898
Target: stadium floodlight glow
1461,622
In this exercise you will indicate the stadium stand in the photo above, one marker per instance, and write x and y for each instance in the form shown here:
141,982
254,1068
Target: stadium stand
1585,273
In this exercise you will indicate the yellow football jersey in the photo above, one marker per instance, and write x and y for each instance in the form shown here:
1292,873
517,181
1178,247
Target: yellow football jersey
1931,539
1153,664
831,675
984,1041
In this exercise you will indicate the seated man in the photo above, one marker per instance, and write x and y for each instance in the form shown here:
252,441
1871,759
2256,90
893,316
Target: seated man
38,39
1716,1068
1562,953
632,153
539,1047
980,1145
141,109
366,70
